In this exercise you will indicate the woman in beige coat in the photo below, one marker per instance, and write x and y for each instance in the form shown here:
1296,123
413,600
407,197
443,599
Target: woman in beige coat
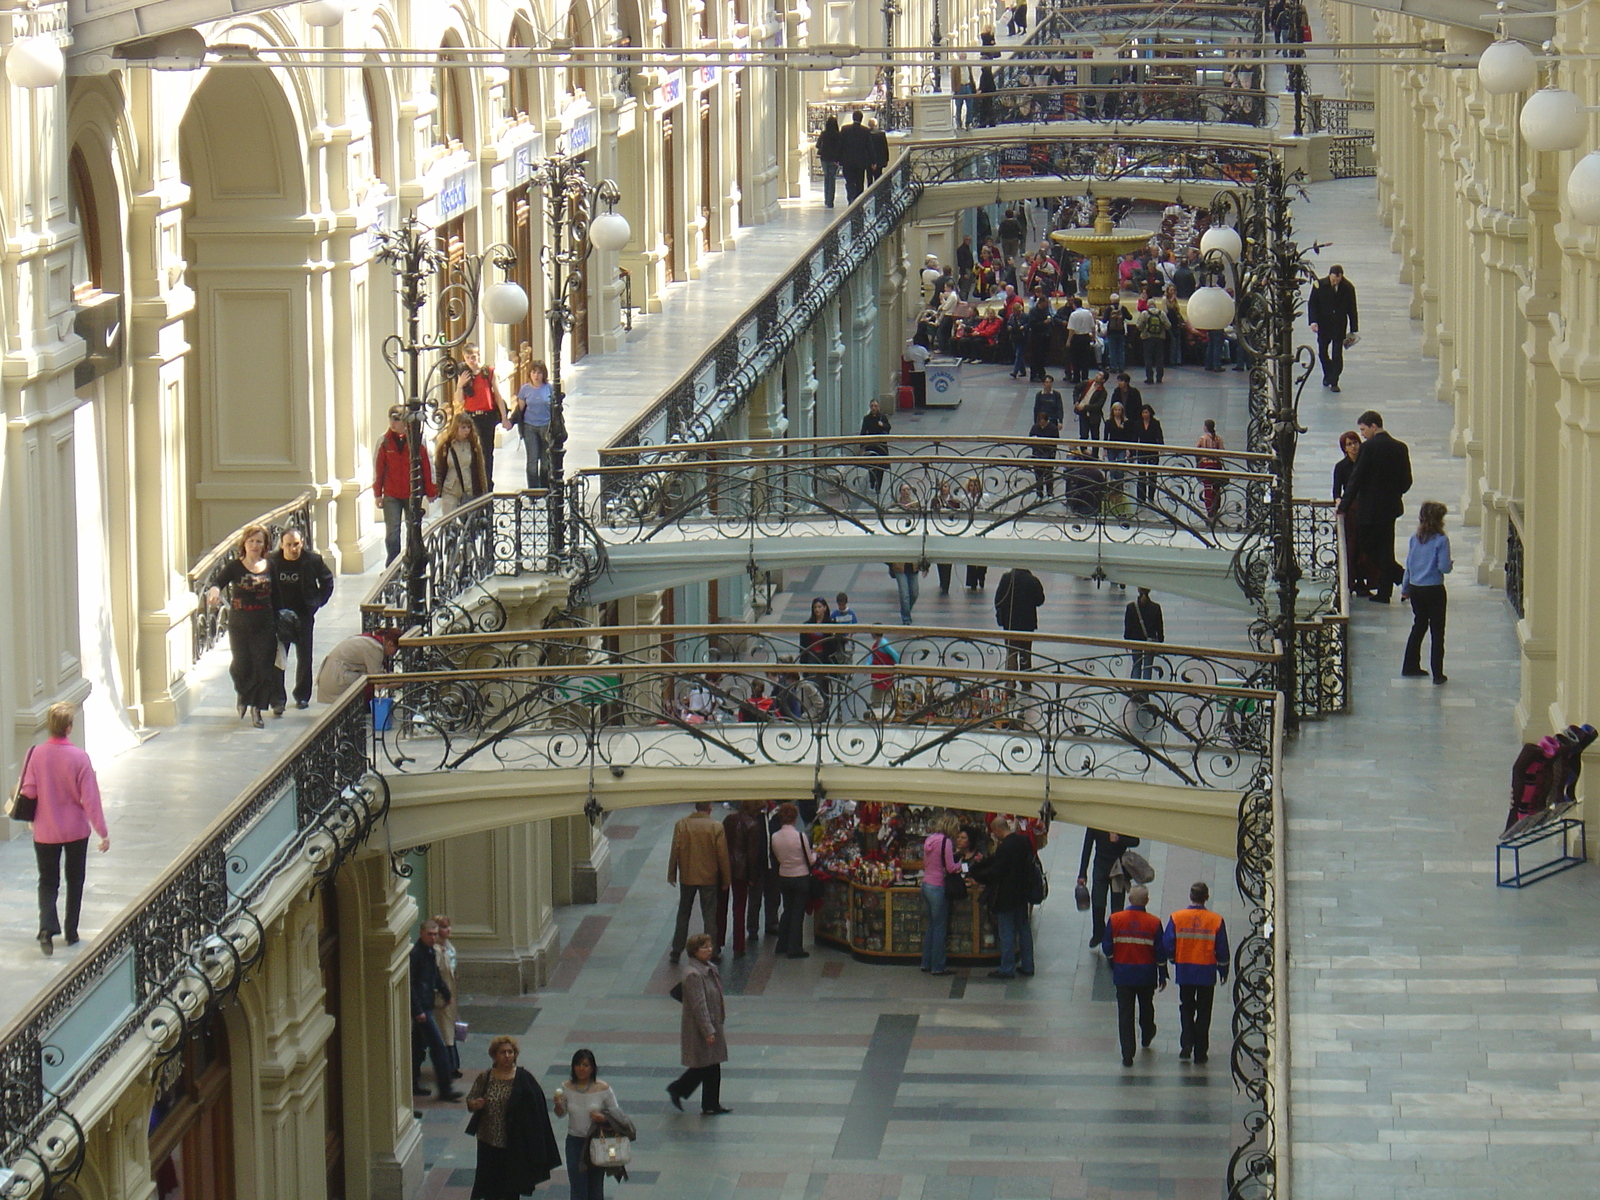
446,1012
702,1037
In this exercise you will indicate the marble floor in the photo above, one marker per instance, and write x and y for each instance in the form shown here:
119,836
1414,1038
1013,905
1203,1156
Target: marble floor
850,1080
1444,1028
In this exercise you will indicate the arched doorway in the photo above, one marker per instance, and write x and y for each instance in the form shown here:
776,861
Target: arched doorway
103,432
246,419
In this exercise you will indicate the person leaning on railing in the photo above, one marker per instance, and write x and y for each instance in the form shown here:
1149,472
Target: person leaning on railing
60,777
355,658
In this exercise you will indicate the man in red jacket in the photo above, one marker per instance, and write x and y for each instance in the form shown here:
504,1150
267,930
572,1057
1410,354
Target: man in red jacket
391,479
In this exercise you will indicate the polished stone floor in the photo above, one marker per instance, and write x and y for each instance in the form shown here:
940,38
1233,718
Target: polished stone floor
853,1080
1445,1029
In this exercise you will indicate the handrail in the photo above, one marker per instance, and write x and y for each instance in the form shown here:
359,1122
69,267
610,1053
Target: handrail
740,357
766,629
189,932
1123,104
891,462
208,623
499,533
719,449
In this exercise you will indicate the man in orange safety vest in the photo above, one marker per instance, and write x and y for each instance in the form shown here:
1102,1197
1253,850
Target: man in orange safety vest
1196,941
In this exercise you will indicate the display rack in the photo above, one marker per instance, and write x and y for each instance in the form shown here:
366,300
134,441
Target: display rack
1509,853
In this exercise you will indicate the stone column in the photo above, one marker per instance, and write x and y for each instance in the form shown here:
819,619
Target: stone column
277,1034
1545,546
496,886
382,1140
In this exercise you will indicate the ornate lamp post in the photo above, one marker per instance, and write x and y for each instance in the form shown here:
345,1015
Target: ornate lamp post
416,258
573,231
1268,283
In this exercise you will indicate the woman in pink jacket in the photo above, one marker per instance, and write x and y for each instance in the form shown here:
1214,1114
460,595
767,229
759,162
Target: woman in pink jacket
60,776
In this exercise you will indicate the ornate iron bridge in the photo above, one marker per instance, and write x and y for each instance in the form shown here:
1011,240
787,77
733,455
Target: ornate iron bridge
1119,104
994,721
1063,24
1074,496
183,947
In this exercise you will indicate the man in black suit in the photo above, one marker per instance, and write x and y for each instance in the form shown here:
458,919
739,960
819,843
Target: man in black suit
1333,317
1016,610
1382,475
879,141
855,155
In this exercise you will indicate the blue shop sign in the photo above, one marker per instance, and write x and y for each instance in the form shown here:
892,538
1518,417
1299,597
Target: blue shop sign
455,194
581,136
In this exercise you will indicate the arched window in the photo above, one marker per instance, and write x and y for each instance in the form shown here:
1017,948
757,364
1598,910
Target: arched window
376,128
450,114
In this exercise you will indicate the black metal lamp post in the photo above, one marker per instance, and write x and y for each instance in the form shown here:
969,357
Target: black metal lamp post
573,231
416,258
891,9
1268,303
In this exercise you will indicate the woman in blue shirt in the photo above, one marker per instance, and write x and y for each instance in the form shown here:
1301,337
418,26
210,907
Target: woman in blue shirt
1427,563
533,418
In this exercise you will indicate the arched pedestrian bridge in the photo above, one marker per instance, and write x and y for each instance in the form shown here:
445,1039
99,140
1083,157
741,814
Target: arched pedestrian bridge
504,729
1173,519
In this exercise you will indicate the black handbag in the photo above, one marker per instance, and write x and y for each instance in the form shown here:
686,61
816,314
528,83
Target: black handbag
23,807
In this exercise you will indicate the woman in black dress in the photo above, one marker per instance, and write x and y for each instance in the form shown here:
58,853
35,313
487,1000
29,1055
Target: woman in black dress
516,1147
252,626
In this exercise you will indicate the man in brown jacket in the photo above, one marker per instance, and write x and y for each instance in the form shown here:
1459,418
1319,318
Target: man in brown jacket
746,834
699,865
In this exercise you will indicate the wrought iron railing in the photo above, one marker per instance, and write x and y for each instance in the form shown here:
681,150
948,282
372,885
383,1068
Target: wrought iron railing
1075,152
1332,114
1060,24
1074,497
1259,1168
1121,104
209,623
1011,722
499,534
890,114
721,380
1515,563
183,946
966,445
916,646
1350,156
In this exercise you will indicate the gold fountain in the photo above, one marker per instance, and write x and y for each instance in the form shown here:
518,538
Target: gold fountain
1102,247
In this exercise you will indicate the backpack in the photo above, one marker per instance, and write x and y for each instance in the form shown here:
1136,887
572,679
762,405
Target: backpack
1038,883
1152,323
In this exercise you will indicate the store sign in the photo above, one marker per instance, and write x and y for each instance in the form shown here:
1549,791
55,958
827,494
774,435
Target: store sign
704,77
457,193
522,158
670,91
581,135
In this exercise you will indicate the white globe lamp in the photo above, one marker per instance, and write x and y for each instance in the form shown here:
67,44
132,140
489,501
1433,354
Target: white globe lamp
1552,119
505,303
1507,67
323,13
1210,308
1223,239
35,62
609,231
1583,189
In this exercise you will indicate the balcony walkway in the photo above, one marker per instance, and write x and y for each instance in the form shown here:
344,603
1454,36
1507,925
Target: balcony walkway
1444,1028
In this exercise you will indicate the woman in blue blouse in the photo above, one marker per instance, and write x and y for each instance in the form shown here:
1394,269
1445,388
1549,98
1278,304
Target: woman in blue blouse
1427,563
